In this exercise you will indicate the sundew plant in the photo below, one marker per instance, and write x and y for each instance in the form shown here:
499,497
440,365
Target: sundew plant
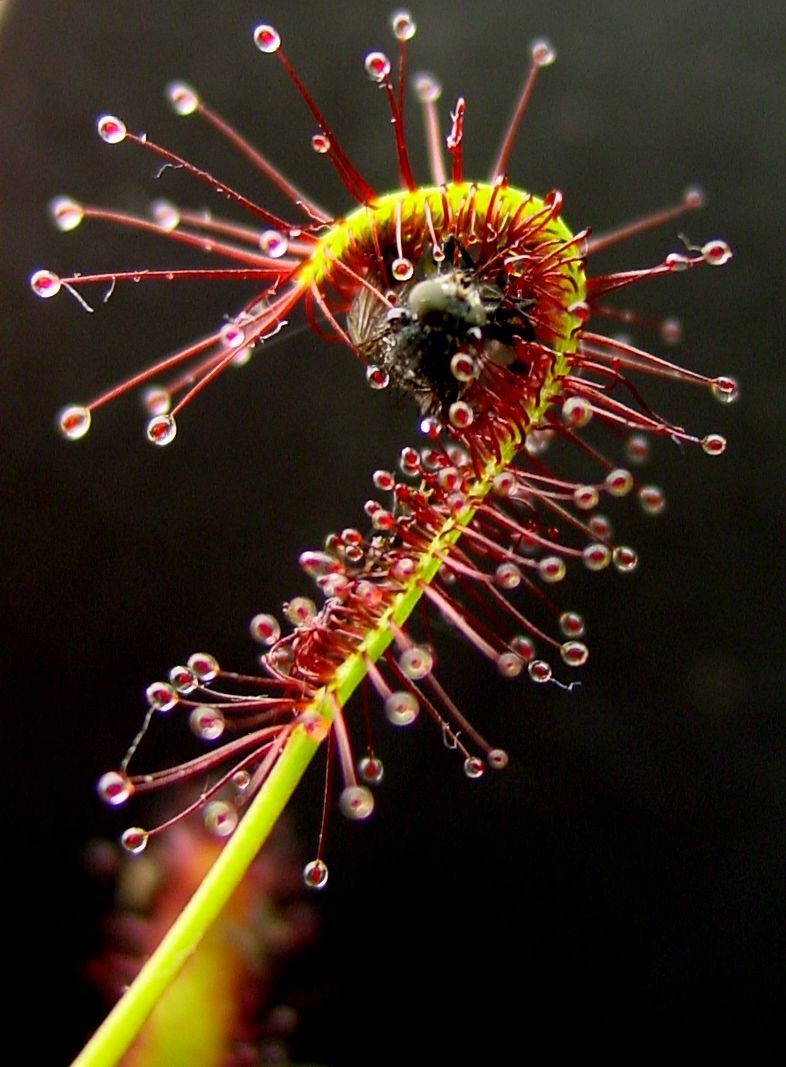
471,296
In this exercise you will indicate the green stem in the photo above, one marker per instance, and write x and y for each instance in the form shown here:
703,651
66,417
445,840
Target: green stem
124,1022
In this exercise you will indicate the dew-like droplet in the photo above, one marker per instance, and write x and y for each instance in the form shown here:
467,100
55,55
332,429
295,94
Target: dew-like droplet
543,52
671,331
161,430
334,585
716,253
677,261
402,569
232,336
652,499
463,367
460,414
726,390
300,610
572,624
111,129
267,39
356,802
596,556
402,269
156,401
626,559
416,662
207,722
638,448
371,770
403,25
497,759
134,840
505,483
574,653
507,575
456,503
220,818
66,212
509,664
74,421
45,283
523,647
161,696
401,708
409,461
282,658
114,788
693,197
242,356
713,444
383,480
204,666
183,679
427,88
377,66
474,767
376,377
430,426
383,520
551,569
165,214
273,244
320,143
539,671
576,412
585,497
619,482
241,780
450,479
183,99
600,526
265,629
315,874
316,564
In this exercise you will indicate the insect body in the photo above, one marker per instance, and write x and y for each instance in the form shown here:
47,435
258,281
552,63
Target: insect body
432,342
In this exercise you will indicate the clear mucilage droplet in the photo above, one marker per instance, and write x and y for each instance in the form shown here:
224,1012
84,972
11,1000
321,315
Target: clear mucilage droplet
207,722
74,421
416,662
371,770
474,767
161,696
111,129
401,708
161,430
356,802
267,39
134,840
183,99
45,283
220,818
315,874
66,212
265,628
114,788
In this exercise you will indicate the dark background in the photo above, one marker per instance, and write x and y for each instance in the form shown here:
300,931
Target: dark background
621,884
